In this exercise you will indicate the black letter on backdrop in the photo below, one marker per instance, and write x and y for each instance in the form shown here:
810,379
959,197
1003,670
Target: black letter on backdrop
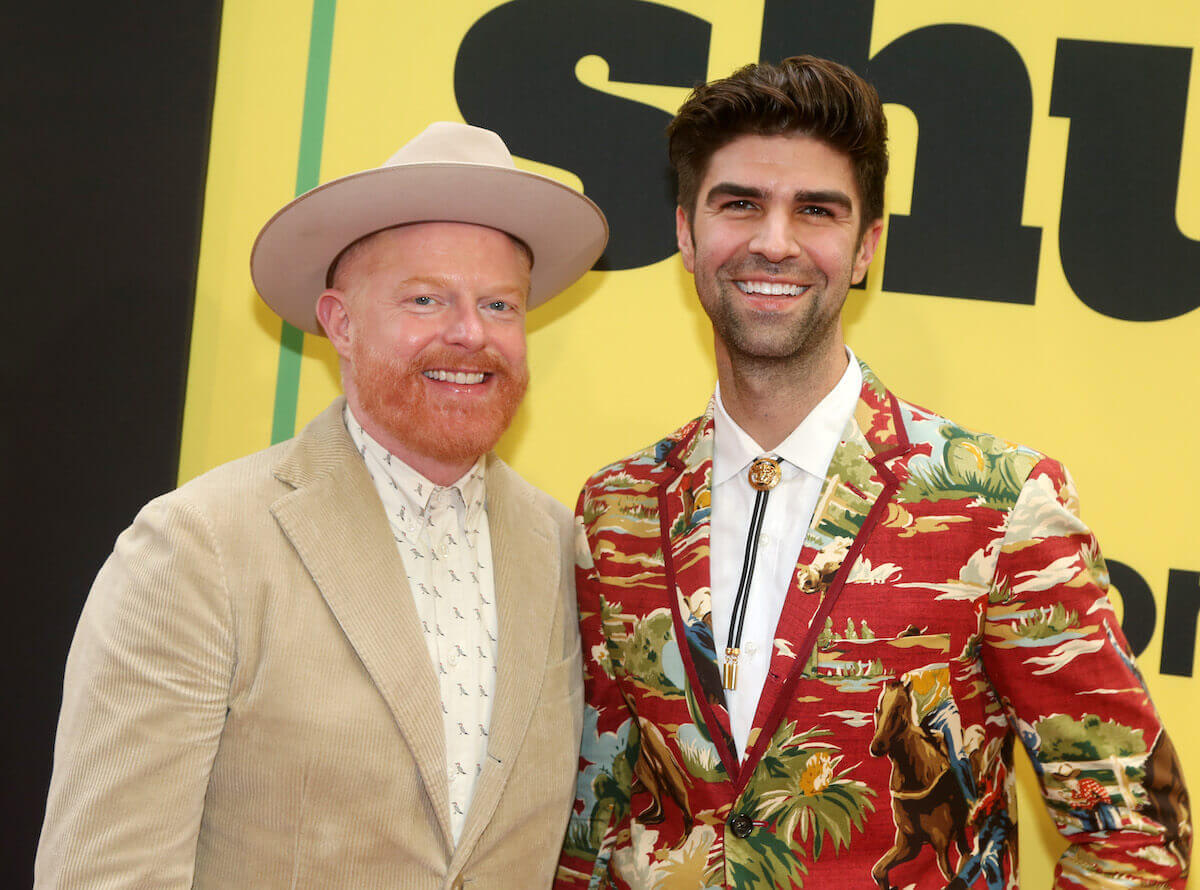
1179,623
1140,611
1121,248
973,101
515,74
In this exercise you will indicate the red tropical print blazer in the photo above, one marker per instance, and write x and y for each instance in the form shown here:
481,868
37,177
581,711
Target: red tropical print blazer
948,606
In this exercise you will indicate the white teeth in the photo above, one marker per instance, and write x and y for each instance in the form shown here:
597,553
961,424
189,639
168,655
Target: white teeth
456,376
770,288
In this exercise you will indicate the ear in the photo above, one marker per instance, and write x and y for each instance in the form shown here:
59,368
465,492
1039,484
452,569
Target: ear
683,235
866,250
334,315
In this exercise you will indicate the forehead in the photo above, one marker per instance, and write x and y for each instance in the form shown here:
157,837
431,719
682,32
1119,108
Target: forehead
784,163
449,249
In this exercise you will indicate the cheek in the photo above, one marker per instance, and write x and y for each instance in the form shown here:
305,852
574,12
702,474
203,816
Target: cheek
705,261
509,341
725,247
833,255
404,341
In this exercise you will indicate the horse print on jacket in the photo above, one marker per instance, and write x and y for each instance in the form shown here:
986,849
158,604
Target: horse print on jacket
929,803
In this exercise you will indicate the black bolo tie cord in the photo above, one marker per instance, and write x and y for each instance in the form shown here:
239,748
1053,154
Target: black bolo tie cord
765,475
743,591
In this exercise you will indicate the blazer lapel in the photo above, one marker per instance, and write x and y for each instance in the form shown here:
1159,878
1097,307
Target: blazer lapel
685,509
334,520
858,486
528,572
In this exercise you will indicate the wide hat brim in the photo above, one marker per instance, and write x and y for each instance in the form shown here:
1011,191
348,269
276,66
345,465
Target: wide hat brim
291,257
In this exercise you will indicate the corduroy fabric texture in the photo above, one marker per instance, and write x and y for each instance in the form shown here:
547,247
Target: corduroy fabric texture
248,701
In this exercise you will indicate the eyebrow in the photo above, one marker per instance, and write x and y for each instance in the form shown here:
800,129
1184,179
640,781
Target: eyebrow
803,196
438,282
431,281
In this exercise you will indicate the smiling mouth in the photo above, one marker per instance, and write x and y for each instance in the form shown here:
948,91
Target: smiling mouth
456,376
771,288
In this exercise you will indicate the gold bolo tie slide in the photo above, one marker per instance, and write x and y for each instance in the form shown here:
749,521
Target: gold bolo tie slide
764,475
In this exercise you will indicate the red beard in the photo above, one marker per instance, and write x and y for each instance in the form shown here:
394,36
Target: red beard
399,398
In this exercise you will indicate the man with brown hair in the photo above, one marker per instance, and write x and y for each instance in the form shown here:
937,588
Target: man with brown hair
816,618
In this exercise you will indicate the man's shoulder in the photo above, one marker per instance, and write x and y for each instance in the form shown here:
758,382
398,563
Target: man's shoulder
925,427
946,457
518,484
921,427
641,469
263,476
224,498
242,477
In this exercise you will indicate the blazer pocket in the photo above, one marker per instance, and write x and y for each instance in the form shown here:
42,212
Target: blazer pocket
561,697
558,720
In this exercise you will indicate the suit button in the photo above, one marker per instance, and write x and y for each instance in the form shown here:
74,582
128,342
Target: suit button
741,825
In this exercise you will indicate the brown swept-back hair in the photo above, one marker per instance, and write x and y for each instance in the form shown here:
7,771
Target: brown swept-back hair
801,95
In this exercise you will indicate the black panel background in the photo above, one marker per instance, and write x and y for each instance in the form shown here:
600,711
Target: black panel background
106,112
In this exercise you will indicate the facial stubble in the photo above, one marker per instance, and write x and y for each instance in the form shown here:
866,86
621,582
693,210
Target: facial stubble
761,339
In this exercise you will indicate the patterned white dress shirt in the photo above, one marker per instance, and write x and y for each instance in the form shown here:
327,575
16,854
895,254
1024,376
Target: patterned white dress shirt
443,538
806,454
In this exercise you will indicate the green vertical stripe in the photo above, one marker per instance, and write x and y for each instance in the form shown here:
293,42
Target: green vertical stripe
308,172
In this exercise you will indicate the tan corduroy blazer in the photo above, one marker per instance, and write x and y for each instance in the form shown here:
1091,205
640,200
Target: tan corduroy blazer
249,702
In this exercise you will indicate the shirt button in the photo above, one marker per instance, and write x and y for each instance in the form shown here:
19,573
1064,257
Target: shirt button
452,659
741,825
751,648
764,540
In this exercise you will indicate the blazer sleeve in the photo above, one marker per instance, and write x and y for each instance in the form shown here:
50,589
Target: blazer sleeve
605,779
144,702
1055,653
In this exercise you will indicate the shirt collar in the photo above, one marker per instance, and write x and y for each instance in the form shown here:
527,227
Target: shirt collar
387,469
810,446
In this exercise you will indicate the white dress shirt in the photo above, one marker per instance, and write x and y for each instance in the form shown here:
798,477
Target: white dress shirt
806,454
444,541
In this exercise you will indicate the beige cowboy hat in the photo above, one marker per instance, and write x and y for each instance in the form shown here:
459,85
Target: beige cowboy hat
451,172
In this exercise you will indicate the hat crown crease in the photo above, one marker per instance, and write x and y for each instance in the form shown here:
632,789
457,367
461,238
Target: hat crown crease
449,143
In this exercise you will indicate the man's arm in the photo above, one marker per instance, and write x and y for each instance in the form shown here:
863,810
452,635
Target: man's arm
605,776
1054,651
144,703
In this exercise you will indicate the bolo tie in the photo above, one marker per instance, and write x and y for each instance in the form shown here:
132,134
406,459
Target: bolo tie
764,475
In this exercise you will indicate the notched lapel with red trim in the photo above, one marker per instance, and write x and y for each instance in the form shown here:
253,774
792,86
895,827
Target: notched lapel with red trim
685,509
859,485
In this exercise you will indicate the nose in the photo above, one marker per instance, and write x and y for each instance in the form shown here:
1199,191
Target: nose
775,238
466,328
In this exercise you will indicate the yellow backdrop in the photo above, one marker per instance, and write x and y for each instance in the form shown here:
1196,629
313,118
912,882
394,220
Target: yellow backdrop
304,95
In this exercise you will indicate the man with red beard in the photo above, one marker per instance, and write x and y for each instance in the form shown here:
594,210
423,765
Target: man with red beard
351,660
